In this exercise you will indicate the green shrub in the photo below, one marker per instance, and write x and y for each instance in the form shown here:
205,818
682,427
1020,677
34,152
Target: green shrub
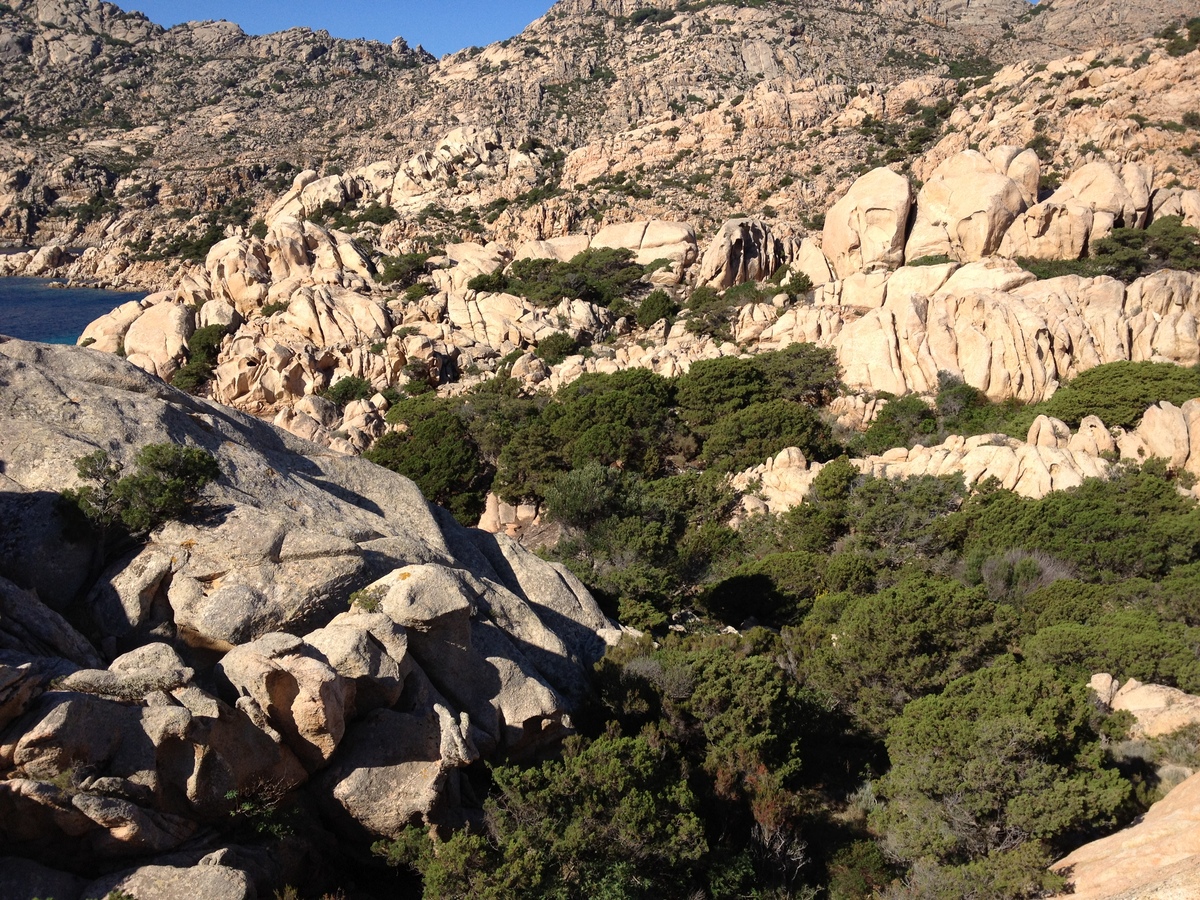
1120,392
776,589
347,389
711,313
907,641
596,276
584,496
556,348
1005,755
656,306
931,260
403,270
165,484
901,423
712,389
437,453
612,813
204,346
1126,644
1057,268
1133,524
753,435
375,214
1129,252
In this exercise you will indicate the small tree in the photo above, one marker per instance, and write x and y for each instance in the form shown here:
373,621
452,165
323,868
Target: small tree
1006,755
166,484
658,305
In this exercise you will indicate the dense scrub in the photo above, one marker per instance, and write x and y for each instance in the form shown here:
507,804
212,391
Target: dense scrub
913,719
1119,393
596,276
634,425
903,711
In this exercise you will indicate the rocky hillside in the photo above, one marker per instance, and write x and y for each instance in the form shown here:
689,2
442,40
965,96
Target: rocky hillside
316,626
875,326
104,113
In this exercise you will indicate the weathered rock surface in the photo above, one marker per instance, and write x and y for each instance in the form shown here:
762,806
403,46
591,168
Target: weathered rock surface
1158,709
1050,459
743,250
864,231
964,210
204,882
244,661
1156,859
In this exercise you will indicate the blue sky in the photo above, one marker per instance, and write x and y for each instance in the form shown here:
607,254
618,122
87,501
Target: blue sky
441,27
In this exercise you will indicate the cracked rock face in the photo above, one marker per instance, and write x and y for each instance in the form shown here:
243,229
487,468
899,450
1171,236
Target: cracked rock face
317,627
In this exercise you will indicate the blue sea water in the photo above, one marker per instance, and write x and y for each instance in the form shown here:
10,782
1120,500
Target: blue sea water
32,310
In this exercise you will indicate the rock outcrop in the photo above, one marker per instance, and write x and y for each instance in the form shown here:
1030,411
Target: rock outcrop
864,231
1158,709
965,209
1051,458
1156,859
320,628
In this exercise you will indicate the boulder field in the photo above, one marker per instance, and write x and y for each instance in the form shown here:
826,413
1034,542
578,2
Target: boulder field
904,287
317,630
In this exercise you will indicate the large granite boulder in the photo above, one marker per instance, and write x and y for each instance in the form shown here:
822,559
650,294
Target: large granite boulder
315,627
865,230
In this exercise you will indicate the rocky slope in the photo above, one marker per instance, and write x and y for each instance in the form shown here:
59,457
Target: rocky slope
304,308
1157,859
111,125
319,631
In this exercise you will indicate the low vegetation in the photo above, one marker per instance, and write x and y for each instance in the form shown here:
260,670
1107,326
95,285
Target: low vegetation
1118,393
1129,253
878,620
596,276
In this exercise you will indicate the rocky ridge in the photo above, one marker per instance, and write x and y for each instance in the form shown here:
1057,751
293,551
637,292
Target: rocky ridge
662,110
1051,458
304,309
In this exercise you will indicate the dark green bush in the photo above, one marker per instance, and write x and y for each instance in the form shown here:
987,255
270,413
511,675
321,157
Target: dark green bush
203,348
712,389
630,819
1006,755
909,640
778,588
596,276
556,348
1135,524
403,270
901,423
753,435
711,313
1120,392
1129,252
347,389
657,305
437,453
165,484
375,214
930,260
